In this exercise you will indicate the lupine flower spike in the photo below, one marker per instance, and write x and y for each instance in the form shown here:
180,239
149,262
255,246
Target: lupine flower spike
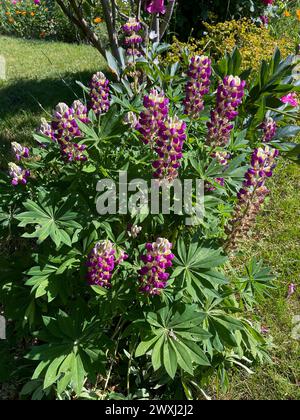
229,97
199,74
252,195
158,258
101,263
269,128
99,94
132,39
169,147
65,130
152,118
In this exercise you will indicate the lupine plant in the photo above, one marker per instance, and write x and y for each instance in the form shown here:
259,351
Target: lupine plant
114,301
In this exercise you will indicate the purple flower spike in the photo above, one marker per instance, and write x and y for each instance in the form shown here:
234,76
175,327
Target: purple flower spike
229,97
101,263
153,275
269,128
199,74
152,118
99,94
169,149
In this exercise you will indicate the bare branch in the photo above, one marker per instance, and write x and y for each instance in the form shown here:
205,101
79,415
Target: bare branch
77,18
111,29
165,21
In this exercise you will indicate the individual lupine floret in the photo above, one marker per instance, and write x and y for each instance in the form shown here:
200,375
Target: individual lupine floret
229,97
152,118
269,128
99,94
132,25
134,231
252,195
102,261
169,147
199,74
18,174
80,111
157,260
20,151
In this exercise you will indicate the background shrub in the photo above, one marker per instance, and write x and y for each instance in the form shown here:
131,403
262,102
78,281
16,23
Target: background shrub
29,20
255,43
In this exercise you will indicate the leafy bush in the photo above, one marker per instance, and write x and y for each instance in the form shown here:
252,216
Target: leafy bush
30,19
187,23
254,42
133,298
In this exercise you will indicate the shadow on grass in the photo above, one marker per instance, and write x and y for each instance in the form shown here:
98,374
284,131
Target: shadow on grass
31,96
24,102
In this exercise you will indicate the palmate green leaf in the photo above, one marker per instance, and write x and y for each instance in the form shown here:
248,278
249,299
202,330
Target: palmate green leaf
174,337
49,221
197,267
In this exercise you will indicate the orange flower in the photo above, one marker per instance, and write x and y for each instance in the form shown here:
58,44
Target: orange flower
287,13
32,13
98,20
298,14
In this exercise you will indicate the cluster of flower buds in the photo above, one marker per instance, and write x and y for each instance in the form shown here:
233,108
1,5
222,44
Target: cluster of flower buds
64,124
80,111
20,151
169,146
65,129
18,174
133,39
252,195
45,129
152,118
101,263
269,128
222,157
134,231
229,97
158,258
199,74
99,94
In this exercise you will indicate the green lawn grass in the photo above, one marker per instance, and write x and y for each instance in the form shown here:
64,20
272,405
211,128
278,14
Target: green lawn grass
41,74
276,240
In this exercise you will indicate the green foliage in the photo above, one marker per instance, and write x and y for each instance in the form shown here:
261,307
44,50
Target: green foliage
82,338
255,42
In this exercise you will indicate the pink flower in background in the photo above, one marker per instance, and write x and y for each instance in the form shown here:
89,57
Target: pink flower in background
156,6
268,2
290,99
292,289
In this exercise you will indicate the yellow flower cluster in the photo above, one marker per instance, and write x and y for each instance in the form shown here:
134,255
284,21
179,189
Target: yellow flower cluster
255,43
